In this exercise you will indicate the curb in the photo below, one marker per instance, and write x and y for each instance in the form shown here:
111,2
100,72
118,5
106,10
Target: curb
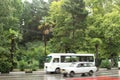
102,69
23,72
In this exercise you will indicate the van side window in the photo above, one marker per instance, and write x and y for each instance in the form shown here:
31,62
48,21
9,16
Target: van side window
62,58
56,60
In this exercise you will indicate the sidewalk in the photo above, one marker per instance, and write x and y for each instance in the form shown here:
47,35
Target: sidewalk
23,72
103,69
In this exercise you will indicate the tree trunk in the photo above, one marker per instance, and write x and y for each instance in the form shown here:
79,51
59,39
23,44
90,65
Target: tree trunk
12,51
97,60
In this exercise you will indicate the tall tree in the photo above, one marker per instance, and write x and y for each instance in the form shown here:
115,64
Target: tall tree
33,13
10,12
78,13
70,23
60,34
103,24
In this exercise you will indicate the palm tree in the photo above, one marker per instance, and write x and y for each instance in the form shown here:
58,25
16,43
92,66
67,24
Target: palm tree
96,42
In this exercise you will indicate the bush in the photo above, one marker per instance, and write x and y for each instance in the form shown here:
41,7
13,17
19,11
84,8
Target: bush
41,61
5,67
35,65
105,64
5,61
22,65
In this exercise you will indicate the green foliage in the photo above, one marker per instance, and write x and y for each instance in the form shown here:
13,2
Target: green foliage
34,53
97,41
22,65
35,65
32,14
10,12
5,66
105,64
74,26
69,17
103,24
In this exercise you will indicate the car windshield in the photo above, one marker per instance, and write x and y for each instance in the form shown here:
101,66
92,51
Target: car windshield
73,64
90,64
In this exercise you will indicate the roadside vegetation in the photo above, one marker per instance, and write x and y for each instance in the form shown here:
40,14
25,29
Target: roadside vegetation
30,31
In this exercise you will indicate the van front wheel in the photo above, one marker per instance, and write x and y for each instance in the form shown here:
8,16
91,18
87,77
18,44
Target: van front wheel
57,71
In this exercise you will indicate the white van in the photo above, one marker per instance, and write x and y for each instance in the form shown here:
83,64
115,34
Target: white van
56,61
119,62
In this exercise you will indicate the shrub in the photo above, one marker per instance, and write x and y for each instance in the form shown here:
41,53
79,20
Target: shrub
35,65
5,67
5,64
22,65
105,64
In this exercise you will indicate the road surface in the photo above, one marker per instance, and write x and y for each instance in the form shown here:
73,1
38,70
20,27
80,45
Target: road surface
40,75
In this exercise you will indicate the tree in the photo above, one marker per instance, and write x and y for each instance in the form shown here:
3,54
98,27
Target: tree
10,12
103,24
111,33
33,13
69,17
78,13
45,30
96,42
60,34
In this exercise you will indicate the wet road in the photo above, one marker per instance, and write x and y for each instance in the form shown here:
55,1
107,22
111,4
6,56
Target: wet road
40,75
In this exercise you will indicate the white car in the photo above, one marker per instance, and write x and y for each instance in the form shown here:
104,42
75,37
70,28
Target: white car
79,68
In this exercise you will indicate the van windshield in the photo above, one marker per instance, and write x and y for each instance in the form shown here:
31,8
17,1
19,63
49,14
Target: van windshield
118,58
48,59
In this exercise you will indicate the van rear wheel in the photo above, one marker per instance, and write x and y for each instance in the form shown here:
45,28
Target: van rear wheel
90,73
72,74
